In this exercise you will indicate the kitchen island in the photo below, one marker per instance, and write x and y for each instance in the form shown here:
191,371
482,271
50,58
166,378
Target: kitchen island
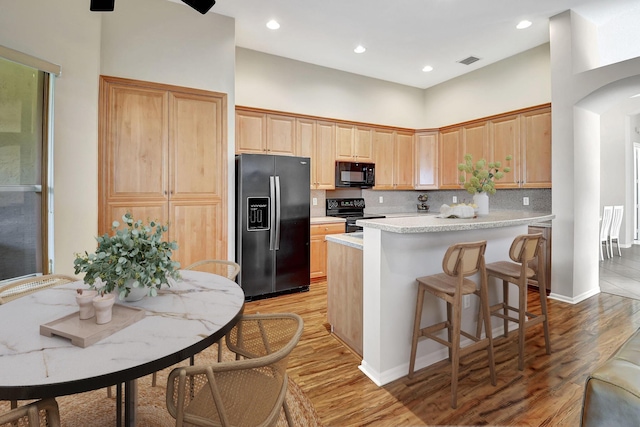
398,250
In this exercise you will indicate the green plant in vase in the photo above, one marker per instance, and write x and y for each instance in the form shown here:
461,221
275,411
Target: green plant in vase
483,174
134,256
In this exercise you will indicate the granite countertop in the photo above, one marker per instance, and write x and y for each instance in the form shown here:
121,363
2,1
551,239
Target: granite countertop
433,224
325,220
353,240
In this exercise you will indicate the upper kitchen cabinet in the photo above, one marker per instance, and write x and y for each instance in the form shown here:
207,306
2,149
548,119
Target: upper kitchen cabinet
394,158
315,140
426,160
354,143
449,147
527,137
265,133
535,149
505,141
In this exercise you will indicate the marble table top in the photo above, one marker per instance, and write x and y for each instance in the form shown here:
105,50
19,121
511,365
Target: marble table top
182,320
434,223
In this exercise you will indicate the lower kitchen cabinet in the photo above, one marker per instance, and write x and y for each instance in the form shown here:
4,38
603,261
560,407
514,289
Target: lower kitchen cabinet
318,249
344,294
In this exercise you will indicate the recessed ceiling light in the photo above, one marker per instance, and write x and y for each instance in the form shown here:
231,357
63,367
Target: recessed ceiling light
359,49
427,68
273,25
523,24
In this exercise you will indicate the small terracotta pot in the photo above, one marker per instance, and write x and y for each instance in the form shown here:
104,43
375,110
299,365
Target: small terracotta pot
85,302
103,305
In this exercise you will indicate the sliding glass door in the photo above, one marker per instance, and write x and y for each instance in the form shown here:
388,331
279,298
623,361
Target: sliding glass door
23,212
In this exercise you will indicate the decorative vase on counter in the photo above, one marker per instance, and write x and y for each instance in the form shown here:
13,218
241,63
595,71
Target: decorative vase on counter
84,298
103,305
482,201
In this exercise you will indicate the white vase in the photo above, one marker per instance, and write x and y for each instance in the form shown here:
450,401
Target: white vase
85,303
103,305
135,294
482,201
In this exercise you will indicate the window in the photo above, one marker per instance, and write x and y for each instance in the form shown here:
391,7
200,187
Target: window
24,167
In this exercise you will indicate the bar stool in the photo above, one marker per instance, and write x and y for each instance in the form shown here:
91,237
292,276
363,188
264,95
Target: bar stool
525,248
460,261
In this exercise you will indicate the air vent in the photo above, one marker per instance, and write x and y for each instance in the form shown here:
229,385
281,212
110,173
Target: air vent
470,60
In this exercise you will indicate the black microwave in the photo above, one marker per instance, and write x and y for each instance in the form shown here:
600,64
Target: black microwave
355,174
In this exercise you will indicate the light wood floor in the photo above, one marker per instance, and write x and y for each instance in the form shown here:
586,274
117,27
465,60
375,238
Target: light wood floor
547,393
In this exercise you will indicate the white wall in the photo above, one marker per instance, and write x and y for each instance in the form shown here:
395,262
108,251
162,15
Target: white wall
576,145
66,33
517,82
276,83
151,40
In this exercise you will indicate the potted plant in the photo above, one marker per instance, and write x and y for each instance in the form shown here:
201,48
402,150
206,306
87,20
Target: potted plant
481,183
133,257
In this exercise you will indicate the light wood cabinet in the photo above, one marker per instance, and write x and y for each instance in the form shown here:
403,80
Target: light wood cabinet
450,157
526,136
426,160
318,247
403,161
344,294
353,143
162,156
315,140
535,149
394,158
264,133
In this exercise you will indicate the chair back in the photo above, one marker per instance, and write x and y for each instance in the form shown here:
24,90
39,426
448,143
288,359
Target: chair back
605,224
616,222
228,269
27,286
525,248
40,413
464,259
246,392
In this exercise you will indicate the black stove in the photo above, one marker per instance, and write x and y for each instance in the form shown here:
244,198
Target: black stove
351,209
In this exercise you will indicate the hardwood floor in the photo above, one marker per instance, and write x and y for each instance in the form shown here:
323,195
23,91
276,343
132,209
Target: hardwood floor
547,393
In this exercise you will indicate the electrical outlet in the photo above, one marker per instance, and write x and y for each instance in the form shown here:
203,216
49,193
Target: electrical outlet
315,201
380,199
455,199
466,301
525,201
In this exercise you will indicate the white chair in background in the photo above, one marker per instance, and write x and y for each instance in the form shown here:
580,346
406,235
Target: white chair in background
614,234
605,226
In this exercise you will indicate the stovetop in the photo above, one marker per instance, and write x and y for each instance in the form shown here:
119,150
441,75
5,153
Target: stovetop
351,209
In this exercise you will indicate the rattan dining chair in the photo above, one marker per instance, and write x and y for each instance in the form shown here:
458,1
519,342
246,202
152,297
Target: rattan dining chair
27,286
36,414
246,392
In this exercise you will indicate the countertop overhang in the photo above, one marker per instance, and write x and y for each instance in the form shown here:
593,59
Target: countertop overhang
434,223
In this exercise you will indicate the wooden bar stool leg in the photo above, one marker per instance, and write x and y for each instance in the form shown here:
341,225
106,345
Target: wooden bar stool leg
416,330
455,350
449,326
486,315
522,312
542,289
505,307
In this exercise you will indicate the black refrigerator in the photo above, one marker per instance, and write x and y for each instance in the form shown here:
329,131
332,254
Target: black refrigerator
272,224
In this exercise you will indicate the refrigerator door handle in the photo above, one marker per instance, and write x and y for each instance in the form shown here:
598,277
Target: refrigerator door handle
272,213
277,242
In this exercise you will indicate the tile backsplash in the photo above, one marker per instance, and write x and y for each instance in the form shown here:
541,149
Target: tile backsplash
406,201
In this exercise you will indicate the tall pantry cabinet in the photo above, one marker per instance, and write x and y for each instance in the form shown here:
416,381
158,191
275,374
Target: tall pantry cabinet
162,156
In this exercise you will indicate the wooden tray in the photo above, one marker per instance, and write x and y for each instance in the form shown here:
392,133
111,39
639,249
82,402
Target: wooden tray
84,333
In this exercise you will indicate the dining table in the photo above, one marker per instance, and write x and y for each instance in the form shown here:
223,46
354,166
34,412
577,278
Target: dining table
186,317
